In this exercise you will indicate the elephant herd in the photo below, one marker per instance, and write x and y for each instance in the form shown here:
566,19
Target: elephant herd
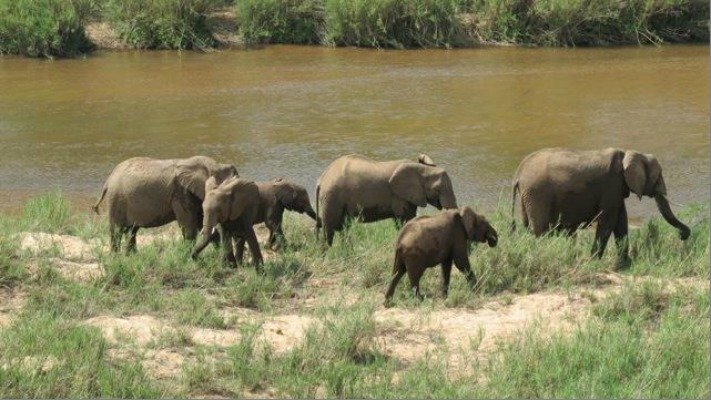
559,190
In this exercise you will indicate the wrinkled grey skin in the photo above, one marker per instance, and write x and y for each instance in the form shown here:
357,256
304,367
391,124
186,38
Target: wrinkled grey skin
144,192
276,196
370,190
230,208
565,189
442,239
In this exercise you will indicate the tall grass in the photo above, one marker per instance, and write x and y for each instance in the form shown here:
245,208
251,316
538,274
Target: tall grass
643,344
392,23
161,24
43,356
280,21
590,22
44,28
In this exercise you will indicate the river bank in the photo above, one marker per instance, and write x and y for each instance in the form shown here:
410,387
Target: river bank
545,320
54,28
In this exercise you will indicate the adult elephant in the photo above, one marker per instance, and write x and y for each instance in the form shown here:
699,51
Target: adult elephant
565,189
144,192
370,190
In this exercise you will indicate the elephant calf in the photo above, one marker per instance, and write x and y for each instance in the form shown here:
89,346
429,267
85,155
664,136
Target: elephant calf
440,239
274,197
231,208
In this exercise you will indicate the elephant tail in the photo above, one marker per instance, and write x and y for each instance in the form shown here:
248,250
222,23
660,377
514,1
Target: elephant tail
318,216
95,207
513,206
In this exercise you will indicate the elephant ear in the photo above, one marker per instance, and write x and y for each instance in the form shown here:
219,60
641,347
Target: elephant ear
654,170
634,171
426,160
406,183
192,176
468,220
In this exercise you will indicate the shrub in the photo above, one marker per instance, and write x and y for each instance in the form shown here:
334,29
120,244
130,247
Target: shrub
161,24
281,21
44,28
392,23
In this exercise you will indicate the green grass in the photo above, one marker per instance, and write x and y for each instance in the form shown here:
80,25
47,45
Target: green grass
161,24
279,21
648,340
44,28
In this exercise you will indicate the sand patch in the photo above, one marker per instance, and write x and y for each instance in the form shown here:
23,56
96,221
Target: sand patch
68,247
104,37
410,335
81,272
11,301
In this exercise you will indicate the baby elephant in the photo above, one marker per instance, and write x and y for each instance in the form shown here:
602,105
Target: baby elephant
230,208
276,196
440,239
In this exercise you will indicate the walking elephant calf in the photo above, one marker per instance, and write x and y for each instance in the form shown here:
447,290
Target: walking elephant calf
564,189
230,208
276,196
440,239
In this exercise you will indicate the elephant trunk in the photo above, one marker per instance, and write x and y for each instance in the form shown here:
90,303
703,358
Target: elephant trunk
447,200
665,210
205,239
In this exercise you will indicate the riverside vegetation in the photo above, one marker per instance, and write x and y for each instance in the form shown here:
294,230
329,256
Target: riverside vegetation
156,323
48,28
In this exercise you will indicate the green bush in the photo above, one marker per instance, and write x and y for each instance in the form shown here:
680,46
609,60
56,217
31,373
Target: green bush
591,22
161,24
44,28
281,21
392,23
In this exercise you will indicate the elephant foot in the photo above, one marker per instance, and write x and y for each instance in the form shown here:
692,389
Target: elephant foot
624,263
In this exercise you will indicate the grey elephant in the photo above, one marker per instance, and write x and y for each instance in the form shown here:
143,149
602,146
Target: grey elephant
144,192
370,190
443,239
276,196
565,189
230,208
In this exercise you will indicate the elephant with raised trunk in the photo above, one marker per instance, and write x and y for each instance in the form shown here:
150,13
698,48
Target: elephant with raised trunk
275,196
442,239
145,192
230,208
370,190
565,189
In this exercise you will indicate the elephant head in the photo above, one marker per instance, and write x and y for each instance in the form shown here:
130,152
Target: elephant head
192,173
477,227
294,197
423,184
643,177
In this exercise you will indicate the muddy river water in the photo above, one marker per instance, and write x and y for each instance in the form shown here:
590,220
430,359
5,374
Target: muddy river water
288,111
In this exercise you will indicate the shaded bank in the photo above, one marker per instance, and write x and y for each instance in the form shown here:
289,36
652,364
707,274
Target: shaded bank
50,28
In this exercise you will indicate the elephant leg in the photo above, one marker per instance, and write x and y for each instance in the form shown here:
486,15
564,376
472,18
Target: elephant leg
131,246
399,270
461,260
414,274
446,273
602,235
187,218
538,216
251,238
115,237
621,239
332,221
228,256
239,249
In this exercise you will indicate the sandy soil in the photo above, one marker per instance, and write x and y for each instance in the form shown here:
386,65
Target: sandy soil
461,337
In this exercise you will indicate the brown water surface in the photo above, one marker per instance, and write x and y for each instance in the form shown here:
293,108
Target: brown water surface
288,111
